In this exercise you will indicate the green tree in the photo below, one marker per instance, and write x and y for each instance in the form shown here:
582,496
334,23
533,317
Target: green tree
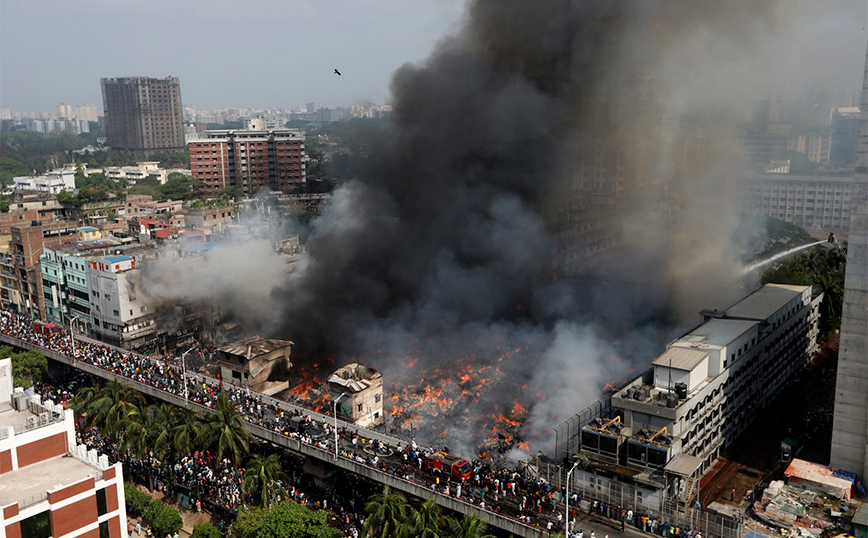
206,530
285,519
261,479
177,188
9,169
424,521
28,367
135,431
468,526
386,512
136,500
223,432
186,431
164,519
112,404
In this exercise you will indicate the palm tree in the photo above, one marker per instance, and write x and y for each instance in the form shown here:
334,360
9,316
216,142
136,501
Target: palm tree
165,419
386,512
261,478
187,430
424,521
82,400
135,431
468,526
224,433
111,405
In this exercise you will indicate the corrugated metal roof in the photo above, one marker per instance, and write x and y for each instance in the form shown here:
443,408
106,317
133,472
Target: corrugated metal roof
680,358
251,348
354,377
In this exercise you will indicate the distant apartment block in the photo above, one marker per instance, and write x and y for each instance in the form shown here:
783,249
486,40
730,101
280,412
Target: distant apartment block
48,485
143,114
249,159
51,183
86,113
819,202
63,111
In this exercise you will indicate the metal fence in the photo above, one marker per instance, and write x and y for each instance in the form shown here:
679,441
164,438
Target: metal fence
647,503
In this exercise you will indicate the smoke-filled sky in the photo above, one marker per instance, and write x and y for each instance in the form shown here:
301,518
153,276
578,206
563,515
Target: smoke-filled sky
440,250
272,53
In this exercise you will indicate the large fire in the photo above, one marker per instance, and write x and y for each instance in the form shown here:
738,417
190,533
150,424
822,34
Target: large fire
476,404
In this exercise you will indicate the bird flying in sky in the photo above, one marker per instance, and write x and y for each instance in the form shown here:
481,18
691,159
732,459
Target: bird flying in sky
338,73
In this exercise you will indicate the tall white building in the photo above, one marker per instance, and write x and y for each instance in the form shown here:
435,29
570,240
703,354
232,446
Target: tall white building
63,111
121,313
86,113
711,383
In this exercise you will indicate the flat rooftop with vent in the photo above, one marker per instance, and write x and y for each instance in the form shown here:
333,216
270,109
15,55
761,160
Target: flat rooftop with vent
47,483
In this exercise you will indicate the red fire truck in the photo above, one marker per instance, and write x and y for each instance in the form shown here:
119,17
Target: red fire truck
446,465
45,328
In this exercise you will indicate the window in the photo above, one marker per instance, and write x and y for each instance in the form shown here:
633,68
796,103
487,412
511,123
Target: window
116,312
37,526
360,408
104,530
101,507
378,397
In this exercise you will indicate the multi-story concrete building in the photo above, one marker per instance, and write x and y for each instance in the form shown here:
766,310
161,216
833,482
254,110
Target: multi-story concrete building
63,111
26,247
65,278
819,202
358,392
86,113
844,124
249,159
668,426
48,485
121,313
815,145
10,299
850,427
143,114
51,183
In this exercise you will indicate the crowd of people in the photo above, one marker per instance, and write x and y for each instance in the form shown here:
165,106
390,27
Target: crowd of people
530,501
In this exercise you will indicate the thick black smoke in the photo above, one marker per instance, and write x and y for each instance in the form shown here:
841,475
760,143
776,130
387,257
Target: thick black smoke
446,240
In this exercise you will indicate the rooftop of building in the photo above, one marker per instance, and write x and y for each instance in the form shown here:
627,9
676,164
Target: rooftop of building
764,302
88,229
28,418
714,333
680,358
253,347
38,478
118,259
354,377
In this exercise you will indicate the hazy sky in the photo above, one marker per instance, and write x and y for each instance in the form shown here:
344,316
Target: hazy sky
253,53
282,53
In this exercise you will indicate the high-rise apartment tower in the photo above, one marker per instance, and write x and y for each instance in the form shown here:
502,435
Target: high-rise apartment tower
143,114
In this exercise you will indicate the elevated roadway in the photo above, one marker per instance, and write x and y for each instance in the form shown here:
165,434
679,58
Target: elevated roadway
507,524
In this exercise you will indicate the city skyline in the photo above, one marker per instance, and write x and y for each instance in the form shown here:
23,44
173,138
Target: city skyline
271,54
367,41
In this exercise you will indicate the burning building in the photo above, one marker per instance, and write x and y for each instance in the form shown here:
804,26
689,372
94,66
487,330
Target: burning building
256,363
359,389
